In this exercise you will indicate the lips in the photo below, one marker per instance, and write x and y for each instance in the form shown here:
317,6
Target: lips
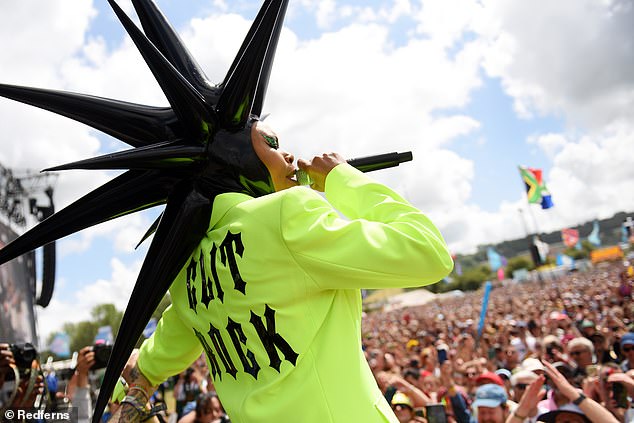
292,175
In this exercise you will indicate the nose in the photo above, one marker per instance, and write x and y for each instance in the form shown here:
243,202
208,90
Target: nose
288,157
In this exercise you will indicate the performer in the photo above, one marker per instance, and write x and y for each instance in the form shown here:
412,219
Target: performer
264,279
271,295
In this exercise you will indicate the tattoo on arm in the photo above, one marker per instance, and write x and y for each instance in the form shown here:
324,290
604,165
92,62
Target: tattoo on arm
135,373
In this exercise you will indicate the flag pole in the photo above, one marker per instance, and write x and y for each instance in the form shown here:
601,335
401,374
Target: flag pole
530,211
521,212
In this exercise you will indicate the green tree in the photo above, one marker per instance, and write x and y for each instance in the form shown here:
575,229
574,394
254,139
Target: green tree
576,254
473,278
519,262
107,315
81,334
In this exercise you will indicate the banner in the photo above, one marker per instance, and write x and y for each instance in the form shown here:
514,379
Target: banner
104,335
570,237
542,249
60,345
17,294
606,254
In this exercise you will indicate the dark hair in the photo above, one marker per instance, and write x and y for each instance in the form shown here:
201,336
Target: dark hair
203,402
411,372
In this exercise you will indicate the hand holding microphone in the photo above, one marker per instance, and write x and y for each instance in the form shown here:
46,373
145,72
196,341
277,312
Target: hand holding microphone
314,172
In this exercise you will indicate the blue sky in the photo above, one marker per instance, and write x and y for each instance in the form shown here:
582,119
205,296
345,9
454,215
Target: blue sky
470,87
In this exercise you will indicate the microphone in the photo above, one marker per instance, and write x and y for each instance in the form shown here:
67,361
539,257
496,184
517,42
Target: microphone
365,164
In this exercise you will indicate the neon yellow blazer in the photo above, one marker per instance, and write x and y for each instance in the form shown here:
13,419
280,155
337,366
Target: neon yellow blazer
272,296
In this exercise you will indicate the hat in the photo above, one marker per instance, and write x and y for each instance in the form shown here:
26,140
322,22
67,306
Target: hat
551,416
532,365
556,315
627,339
503,373
525,375
587,324
489,377
551,340
489,395
400,398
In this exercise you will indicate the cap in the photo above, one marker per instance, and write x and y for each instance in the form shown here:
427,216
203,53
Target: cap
489,395
400,398
489,377
532,365
551,416
587,324
504,373
627,339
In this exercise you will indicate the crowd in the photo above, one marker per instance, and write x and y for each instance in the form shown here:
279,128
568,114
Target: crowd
552,351
572,335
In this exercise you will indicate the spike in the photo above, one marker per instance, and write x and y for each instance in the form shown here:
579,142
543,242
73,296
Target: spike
128,193
156,156
187,103
134,124
181,229
150,231
244,88
166,39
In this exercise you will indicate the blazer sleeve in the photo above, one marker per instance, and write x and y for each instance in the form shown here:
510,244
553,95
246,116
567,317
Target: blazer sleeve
170,350
380,241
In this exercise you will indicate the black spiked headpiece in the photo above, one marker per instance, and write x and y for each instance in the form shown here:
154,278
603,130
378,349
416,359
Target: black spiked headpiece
183,155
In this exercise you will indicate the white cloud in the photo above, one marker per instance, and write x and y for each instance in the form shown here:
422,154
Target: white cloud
593,175
550,143
567,57
124,234
116,290
351,90
325,13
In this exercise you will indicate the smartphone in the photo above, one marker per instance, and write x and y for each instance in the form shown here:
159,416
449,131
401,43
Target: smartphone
620,395
435,413
442,355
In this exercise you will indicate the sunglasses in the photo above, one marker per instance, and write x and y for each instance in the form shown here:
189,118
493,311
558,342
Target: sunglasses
578,352
627,349
521,386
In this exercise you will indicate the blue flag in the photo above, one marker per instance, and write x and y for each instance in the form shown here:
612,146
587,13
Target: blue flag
60,345
495,260
485,305
564,260
104,335
594,237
